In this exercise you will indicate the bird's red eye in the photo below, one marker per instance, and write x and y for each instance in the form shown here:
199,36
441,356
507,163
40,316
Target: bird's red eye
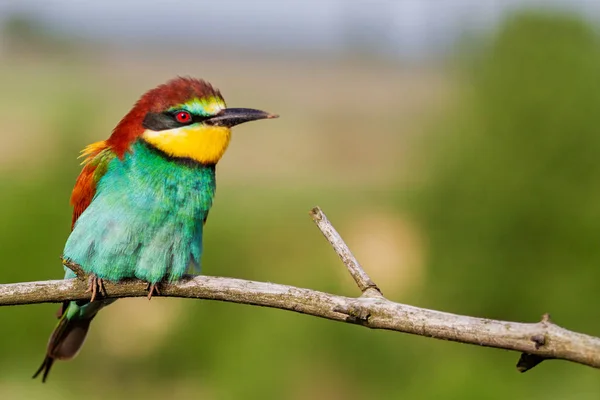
183,117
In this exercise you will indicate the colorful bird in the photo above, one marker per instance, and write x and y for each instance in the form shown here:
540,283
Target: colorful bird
142,198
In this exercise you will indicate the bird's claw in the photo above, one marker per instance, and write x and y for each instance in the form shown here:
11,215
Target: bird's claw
95,285
153,289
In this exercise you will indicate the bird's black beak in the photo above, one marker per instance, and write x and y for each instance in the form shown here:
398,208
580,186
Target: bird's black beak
234,116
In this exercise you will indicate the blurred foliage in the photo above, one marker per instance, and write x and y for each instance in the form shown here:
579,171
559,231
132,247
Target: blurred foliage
509,206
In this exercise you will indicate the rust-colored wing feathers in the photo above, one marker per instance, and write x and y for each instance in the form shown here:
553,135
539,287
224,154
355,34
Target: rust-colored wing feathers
97,156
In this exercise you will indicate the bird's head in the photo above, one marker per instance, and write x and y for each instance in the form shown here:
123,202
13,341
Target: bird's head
184,118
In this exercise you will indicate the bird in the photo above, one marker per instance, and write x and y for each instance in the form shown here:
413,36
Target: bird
142,198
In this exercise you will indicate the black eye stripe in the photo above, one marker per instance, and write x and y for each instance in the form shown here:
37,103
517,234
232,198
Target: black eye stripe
159,122
166,120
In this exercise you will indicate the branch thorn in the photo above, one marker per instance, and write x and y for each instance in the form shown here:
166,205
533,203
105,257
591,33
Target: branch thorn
79,272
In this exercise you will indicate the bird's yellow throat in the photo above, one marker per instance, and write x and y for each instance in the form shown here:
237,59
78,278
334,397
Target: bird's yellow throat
205,144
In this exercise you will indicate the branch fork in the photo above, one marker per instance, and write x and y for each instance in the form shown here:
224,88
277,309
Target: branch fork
535,341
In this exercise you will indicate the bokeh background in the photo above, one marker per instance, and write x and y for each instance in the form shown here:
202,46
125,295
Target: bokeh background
454,144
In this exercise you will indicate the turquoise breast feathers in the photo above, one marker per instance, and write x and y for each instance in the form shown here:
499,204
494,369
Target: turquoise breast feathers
146,219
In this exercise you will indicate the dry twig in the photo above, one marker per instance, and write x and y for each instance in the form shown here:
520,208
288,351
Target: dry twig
536,341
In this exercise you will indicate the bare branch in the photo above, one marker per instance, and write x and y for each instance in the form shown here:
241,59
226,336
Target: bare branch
537,341
364,282
375,313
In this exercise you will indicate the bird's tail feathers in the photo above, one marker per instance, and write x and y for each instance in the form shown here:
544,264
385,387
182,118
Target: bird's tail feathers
65,342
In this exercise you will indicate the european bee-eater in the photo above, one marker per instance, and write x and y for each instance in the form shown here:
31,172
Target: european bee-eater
142,198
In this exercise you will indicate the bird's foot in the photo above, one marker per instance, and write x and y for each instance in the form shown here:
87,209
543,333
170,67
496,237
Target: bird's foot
95,285
153,288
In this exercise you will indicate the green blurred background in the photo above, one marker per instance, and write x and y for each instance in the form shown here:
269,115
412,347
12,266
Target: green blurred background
465,179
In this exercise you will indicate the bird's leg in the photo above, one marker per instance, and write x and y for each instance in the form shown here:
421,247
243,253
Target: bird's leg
95,285
153,288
